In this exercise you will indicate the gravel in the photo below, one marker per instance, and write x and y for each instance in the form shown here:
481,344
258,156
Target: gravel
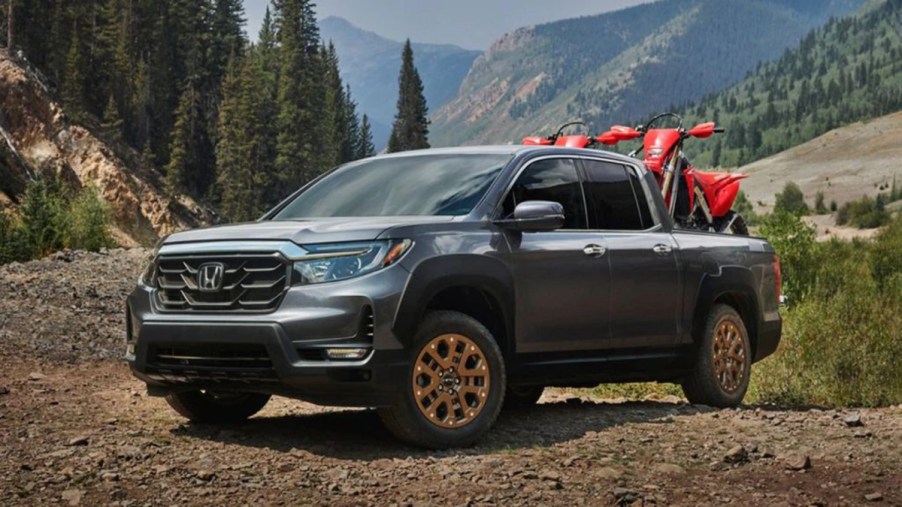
77,429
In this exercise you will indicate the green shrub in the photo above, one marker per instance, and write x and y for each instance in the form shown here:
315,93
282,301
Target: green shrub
795,244
43,217
51,218
744,207
819,207
865,213
87,224
791,200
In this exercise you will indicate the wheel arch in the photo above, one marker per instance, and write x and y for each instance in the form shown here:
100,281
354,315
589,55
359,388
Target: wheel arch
733,287
476,285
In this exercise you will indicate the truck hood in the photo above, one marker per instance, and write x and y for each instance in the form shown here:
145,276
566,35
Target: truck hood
320,230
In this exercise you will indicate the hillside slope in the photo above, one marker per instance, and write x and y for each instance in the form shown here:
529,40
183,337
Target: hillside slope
846,71
844,164
370,63
621,65
37,138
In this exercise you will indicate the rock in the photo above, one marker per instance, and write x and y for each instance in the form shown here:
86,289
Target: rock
80,440
36,376
853,420
550,475
873,497
205,475
73,496
4,390
736,454
668,469
624,496
609,473
798,462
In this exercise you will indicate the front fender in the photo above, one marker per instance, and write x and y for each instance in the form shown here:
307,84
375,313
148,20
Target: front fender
432,276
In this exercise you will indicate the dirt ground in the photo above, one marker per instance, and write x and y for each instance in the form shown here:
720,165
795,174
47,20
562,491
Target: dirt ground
76,428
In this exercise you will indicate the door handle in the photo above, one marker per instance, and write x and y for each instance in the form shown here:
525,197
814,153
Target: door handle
662,249
594,250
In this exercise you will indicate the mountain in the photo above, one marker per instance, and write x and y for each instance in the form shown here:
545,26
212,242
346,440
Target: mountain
37,137
621,66
848,70
371,64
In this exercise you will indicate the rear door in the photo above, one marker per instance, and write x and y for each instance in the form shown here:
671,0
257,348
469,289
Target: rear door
645,295
562,277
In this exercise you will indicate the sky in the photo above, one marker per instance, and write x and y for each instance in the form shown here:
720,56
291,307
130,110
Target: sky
471,24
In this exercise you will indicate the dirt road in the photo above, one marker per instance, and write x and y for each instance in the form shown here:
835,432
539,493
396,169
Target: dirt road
75,428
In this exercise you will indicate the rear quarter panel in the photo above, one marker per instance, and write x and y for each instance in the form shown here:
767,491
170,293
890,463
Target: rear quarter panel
715,265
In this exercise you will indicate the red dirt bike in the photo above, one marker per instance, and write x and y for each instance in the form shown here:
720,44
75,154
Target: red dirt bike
695,199
704,200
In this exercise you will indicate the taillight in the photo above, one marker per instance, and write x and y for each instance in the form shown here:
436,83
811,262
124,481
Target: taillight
778,280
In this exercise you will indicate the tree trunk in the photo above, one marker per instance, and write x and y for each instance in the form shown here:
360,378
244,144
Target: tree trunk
9,26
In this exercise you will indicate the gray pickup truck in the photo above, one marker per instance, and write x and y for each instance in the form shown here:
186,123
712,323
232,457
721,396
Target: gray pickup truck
440,285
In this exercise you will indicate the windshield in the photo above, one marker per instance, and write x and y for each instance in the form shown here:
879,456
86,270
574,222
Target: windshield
411,185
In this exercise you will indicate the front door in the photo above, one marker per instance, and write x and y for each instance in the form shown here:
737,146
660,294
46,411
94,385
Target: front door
562,277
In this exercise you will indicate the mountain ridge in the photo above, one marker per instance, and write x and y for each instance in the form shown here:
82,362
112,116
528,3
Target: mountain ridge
536,78
370,64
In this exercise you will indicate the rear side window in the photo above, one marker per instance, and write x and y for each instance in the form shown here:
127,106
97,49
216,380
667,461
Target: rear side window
556,180
615,198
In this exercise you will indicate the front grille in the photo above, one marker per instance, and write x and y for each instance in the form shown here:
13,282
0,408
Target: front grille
254,283
220,361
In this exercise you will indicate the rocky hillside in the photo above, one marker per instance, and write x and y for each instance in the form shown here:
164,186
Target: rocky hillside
36,137
370,64
845,164
621,66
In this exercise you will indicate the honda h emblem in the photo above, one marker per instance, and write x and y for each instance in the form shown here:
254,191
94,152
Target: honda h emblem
209,277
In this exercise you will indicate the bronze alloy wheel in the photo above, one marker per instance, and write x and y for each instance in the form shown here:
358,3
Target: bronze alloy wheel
729,355
451,381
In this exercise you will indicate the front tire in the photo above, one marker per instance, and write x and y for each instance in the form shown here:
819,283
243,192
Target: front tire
454,388
720,376
216,408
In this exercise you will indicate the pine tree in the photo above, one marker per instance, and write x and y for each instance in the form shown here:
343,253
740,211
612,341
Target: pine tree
410,130
301,97
73,86
365,147
350,146
112,121
227,36
186,169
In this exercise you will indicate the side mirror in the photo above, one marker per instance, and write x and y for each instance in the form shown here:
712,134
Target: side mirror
535,216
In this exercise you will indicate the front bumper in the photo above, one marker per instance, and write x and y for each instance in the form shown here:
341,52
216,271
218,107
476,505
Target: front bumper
280,352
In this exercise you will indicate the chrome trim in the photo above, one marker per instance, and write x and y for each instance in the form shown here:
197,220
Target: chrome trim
287,249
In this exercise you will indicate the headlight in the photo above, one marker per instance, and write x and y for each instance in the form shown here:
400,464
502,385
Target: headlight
147,275
340,261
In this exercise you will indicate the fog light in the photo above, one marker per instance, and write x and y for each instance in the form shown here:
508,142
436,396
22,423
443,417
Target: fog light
346,354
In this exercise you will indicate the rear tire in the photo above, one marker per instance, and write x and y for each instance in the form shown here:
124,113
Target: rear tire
455,386
737,225
520,397
215,408
723,363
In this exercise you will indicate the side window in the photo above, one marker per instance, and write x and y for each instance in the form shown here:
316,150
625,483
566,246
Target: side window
554,180
612,198
641,199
